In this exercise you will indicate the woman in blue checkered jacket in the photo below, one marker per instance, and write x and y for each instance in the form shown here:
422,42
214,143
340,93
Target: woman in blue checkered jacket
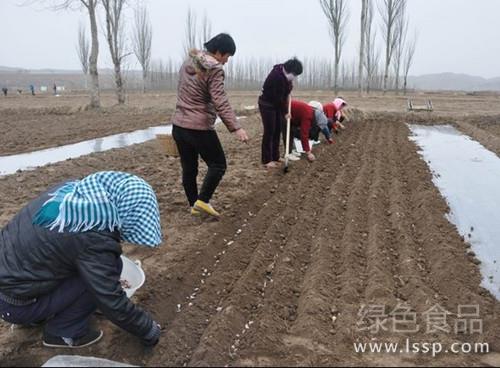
60,258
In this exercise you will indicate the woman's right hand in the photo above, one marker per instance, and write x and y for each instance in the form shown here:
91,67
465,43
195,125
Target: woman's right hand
242,135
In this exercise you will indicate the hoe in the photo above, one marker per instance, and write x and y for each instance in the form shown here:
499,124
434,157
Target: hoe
287,139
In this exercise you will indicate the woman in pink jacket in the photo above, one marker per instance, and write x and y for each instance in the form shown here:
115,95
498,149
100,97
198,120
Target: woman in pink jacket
200,98
334,113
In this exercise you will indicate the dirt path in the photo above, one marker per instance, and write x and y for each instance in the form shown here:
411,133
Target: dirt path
281,279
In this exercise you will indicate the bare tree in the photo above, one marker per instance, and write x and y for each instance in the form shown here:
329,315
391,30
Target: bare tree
190,31
316,73
401,33
90,5
337,14
83,50
206,30
390,11
116,41
164,74
353,80
142,40
372,57
342,75
95,99
196,35
364,10
410,52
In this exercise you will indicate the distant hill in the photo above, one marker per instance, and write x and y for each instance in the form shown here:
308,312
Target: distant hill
492,84
454,82
6,69
18,78
73,79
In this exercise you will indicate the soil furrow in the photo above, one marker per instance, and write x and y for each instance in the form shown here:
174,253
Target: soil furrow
286,297
239,298
412,266
381,285
319,301
235,266
309,350
351,259
255,287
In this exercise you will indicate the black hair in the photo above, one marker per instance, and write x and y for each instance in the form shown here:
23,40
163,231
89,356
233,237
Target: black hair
293,66
223,43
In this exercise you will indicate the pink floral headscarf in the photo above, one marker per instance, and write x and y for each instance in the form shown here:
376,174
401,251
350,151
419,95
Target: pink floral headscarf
339,105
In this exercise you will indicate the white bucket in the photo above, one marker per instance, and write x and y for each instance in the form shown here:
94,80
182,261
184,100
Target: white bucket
133,274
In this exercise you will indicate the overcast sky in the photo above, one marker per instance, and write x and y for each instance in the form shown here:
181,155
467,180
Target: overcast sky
460,36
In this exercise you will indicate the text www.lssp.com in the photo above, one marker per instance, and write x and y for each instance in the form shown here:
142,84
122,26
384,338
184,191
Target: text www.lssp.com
432,348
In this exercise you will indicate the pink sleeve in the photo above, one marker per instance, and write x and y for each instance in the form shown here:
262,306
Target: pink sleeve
221,102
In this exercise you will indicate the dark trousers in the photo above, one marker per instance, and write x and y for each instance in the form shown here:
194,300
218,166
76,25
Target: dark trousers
65,311
272,120
314,132
295,133
192,144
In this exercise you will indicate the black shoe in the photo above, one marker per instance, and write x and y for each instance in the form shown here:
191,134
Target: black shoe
90,338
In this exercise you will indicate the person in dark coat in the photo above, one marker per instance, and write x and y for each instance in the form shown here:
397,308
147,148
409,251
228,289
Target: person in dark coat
5,90
60,258
273,106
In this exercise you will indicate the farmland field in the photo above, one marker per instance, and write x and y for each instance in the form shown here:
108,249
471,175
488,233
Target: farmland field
283,277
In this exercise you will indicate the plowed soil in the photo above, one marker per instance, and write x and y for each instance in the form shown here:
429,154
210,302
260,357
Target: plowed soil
36,129
282,278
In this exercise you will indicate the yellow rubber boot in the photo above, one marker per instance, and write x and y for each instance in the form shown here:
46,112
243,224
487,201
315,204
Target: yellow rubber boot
195,212
206,208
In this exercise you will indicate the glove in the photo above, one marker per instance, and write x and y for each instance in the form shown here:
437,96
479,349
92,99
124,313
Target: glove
153,336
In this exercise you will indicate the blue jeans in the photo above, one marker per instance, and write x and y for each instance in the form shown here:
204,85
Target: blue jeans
65,311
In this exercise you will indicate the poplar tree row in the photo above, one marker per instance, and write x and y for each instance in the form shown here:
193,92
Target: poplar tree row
383,62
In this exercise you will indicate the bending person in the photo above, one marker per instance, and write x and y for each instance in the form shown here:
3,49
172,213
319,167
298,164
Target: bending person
60,258
200,98
320,123
302,120
334,113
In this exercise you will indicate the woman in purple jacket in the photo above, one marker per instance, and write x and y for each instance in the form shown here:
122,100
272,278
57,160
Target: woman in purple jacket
273,106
